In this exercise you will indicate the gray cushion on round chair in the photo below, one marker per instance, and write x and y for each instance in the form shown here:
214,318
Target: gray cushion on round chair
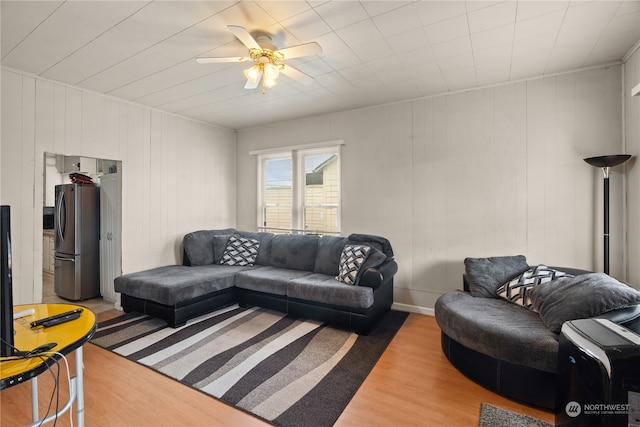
498,328
485,275
581,297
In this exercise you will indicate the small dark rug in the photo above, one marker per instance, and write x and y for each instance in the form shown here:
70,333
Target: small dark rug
491,416
285,370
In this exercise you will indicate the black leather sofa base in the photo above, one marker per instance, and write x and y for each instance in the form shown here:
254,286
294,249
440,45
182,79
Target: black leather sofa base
177,315
345,317
522,383
359,321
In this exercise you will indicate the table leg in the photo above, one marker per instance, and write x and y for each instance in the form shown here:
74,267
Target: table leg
79,388
34,399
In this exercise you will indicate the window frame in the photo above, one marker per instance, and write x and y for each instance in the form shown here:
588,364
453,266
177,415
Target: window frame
298,188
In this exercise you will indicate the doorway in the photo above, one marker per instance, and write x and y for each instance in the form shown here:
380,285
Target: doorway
62,169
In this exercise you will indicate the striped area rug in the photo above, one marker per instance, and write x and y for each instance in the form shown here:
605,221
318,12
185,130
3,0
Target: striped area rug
288,371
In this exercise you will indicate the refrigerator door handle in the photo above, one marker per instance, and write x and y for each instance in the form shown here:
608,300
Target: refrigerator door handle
62,216
57,258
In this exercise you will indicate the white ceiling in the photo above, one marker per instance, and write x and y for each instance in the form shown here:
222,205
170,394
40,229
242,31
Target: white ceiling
374,52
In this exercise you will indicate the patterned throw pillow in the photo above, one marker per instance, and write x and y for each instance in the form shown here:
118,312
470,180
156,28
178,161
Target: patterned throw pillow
240,251
518,289
351,259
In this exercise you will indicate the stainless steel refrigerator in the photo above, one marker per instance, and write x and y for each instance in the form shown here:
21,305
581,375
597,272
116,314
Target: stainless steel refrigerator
77,245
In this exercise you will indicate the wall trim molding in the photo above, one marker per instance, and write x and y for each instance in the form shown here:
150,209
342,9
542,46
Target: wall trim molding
413,309
298,147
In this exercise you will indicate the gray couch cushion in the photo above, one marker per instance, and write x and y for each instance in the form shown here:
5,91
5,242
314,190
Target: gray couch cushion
265,239
375,259
198,245
485,275
219,246
297,252
580,297
268,279
328,254
377,242
498,328
175,283
326,289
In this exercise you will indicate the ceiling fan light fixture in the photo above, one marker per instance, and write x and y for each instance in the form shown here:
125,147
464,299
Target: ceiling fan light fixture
269,83
271,71
267,59
253,74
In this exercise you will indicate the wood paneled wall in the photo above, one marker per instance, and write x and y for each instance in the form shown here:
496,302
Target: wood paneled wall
494,171
178,175
479,173
632,167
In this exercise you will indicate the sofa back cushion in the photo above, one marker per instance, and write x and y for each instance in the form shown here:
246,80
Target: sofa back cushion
265,239
199,246
328,255
294,251
375,259
330,249
377,242
220,242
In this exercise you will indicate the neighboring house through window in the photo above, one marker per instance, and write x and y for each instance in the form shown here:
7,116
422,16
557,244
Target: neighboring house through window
299,190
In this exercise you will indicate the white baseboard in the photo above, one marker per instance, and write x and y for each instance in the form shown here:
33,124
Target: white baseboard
413,309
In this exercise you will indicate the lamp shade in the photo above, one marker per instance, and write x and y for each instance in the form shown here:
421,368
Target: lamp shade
253,74
271,72
607,161
269,83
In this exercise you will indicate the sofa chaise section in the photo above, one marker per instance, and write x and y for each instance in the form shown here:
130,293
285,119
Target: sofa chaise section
177,292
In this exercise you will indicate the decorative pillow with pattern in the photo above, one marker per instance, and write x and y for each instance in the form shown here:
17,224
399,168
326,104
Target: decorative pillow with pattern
240,251
351,259
518,289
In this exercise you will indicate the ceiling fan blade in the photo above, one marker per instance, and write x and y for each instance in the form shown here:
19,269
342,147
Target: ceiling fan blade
306,49
252,85
296,75
227,59
243,35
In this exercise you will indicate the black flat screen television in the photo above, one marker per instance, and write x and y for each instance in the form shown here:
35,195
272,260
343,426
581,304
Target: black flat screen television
6,290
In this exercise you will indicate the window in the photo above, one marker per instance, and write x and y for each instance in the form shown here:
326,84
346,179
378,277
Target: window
299,191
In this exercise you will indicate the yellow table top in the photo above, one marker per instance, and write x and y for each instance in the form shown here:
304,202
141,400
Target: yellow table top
68,336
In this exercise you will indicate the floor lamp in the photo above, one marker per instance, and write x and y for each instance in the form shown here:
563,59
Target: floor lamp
606,162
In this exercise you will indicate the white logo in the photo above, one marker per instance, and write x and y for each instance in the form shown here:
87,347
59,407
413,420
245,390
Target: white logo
573,409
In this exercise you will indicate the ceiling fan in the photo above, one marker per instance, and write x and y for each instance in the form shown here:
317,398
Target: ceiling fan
268,60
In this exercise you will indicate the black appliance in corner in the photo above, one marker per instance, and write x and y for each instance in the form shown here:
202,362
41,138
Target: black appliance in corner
598,375
47,217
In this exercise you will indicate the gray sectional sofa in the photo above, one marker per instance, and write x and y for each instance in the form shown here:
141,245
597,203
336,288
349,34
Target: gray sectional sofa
508,342
295,274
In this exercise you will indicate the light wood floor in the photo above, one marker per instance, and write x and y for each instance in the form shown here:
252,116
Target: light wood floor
49,296
412,384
